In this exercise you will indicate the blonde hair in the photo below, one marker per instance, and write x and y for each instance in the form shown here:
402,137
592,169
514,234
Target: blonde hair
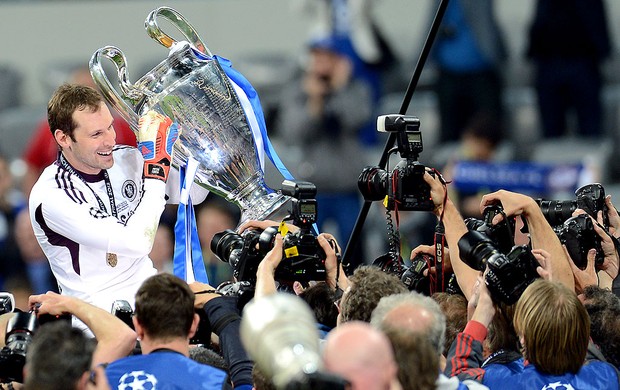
555,327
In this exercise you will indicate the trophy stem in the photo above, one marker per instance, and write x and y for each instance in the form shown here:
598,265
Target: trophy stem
256,202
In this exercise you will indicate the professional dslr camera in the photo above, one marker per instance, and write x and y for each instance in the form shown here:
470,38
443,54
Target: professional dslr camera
413,276
19,332
303,257
404,186
590,198
578,233
509,272
501,234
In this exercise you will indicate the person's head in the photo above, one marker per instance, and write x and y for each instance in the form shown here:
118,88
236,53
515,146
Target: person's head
554,327
320,298
414,312
81,124
209,357
327,53
454,307
59,358
261,381
165,309
215,215
603,307
416,358
368,285
481,137
360,354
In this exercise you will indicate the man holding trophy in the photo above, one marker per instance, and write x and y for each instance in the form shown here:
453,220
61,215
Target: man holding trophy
95,210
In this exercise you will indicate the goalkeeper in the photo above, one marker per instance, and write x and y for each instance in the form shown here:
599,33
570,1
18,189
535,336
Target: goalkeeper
95,210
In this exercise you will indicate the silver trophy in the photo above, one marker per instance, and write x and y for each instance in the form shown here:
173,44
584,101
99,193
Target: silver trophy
192,89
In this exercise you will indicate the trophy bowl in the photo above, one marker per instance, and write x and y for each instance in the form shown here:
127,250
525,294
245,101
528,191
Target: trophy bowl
191,88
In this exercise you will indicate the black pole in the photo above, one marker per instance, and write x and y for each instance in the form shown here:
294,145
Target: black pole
413,83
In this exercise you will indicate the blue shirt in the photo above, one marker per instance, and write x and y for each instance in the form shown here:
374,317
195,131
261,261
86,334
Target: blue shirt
163,370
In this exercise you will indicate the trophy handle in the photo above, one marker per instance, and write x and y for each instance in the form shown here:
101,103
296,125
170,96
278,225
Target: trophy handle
123,103
179,22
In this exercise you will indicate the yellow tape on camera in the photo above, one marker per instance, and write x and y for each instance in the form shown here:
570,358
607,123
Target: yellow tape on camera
291,252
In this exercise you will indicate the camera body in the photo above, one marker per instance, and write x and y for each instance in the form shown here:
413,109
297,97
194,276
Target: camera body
501,234
404,187
508,274
590,198
578,233
303,257
579,236
19,332
413,276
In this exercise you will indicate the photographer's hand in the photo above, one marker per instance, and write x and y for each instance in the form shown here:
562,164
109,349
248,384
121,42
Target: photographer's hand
544,270
265,274
614,218
610,253
203,293
583,277
335,276
262,225
438,192
484,309
430,250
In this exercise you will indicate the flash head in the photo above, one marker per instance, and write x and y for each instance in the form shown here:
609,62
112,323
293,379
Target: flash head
396,123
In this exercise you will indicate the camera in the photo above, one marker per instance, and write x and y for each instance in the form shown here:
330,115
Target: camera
7,302
303,257
508,274
123,311
590,198
579,236
502,234
404,187
19,332
412,276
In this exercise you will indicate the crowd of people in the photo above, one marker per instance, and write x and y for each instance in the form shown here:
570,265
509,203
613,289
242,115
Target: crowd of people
94,228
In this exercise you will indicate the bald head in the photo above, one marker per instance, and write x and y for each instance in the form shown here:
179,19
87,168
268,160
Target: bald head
413,312
360,354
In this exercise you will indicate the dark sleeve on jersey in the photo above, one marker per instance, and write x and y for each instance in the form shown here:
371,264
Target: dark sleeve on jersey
465,357
224,319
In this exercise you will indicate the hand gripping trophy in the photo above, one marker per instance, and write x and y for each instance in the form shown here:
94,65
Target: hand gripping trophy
191,87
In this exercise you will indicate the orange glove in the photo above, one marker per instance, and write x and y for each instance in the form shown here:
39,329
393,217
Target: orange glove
156,137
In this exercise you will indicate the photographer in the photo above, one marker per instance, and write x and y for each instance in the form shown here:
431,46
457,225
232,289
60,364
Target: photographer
265,281
553,327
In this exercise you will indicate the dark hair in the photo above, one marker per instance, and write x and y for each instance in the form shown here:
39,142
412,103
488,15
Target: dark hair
165,306
603,307
67,99
320,298
454,307
58,357
204,355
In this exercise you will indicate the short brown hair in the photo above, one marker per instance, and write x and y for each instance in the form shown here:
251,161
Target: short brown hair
67,99
165,306
416,358
368,285
555,327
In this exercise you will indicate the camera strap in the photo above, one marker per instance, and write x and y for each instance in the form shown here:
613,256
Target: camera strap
440,245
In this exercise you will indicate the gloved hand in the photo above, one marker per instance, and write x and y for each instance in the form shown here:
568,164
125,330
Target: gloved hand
156,137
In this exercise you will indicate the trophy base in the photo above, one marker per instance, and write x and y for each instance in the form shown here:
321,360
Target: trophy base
270,206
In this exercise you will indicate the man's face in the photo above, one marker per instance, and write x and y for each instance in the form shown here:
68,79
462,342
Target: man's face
94,139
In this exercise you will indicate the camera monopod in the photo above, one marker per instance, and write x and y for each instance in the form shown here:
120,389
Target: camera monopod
349,264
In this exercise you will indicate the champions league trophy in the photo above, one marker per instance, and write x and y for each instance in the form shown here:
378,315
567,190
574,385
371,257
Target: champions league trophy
192,89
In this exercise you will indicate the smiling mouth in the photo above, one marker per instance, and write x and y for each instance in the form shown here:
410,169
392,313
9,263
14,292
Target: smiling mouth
105,154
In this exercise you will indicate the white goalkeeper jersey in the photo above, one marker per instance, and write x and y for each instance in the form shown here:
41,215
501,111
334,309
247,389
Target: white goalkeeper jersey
97,230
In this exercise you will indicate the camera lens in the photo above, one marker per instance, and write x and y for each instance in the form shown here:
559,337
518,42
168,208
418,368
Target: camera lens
475,249
223,244
557,211
372,183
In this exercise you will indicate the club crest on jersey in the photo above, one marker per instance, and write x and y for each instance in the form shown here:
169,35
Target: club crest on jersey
129,190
